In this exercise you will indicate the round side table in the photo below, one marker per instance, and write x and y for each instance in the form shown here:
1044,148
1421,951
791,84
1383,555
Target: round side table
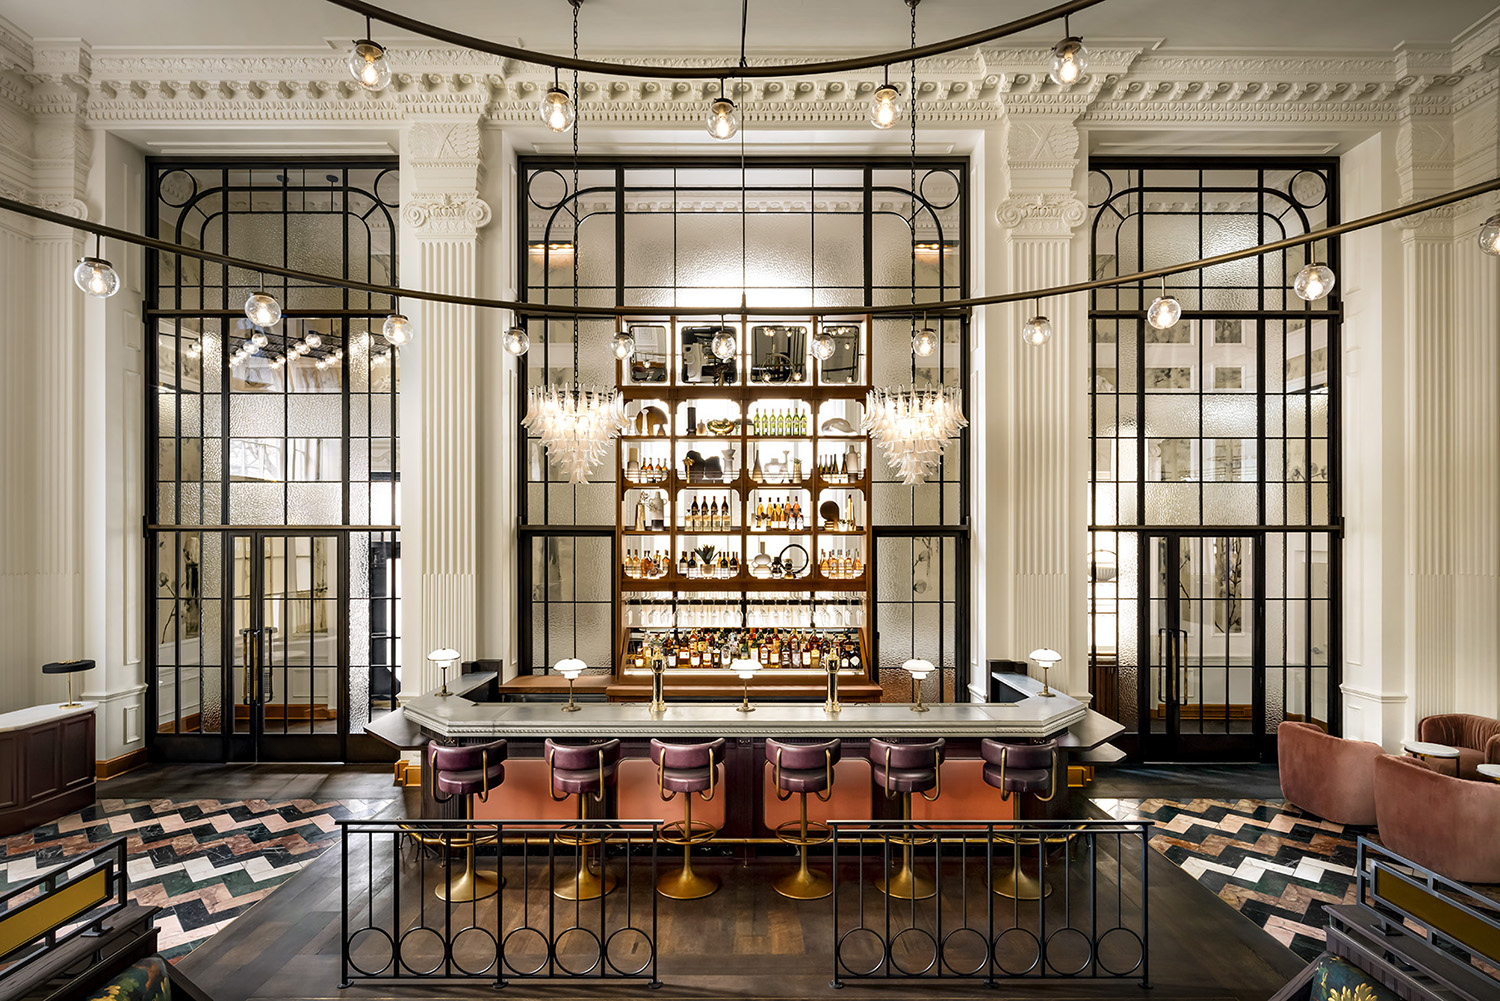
1490,771
1433,752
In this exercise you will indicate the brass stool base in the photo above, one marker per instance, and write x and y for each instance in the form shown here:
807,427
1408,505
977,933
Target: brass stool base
685,884
471,886
905,884
584,885
804,884
1021,885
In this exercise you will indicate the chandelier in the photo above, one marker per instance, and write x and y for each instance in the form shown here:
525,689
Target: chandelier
912,426
576,425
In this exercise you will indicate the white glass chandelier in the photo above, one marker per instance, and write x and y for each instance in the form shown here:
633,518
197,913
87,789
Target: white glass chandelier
576,425
912,426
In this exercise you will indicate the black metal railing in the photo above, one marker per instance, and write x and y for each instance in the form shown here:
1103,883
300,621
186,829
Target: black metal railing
396,926
1451,917
55,907
947,917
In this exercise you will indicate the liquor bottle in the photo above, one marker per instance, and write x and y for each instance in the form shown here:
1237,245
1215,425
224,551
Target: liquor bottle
760,516
734,565
844,467
682,564
797,515
823,562
713,516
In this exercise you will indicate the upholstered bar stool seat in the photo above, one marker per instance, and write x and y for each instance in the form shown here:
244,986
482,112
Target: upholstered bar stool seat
585,771
902,769
1022,770
467,771
800,769
688,770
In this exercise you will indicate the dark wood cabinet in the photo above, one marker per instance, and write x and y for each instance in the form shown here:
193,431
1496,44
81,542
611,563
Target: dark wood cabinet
46,768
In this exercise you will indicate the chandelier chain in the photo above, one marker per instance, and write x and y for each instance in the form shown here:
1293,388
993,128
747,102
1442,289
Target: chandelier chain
911,99
577,194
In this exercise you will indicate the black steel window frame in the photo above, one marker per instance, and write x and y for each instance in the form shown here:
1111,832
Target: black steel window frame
1332,313
958,167
174,744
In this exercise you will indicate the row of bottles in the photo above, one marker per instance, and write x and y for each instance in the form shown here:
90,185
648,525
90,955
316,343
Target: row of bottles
774,649
648,564
779,514
648,471
840,565
781,423
708,516
840,467
707,563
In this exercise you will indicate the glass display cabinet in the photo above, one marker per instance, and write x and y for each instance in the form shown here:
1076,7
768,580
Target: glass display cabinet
743,509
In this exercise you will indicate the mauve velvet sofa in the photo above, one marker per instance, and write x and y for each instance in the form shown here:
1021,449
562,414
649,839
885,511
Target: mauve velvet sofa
1327,776
1448,825
1476,737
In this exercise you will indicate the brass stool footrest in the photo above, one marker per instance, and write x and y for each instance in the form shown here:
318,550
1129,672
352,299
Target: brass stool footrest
911,840
824,833
697,834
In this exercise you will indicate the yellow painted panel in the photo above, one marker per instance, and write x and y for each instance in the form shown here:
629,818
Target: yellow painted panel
37,917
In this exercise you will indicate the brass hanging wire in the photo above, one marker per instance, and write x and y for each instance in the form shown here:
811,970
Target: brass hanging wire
744,197
640,70
577,202
938,307
911,110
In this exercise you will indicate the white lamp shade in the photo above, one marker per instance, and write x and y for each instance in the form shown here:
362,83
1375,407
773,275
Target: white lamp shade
570,668
443,656
745,668
919,669
1046,656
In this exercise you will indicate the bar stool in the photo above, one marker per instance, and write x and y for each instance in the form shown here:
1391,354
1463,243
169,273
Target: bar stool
687,769
801,769
1026,770
468,772
582,770
902,769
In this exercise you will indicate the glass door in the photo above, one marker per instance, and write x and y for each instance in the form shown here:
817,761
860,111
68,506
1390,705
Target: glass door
1204,685
286,675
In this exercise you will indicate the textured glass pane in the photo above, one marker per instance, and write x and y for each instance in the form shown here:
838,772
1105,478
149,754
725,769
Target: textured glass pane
594,636
315,504
1229,504
559,632
210,680
314,415
256,504
260,416
594,554
1171,503
649,237
596,503
894,569
895,623
1172,416
359,696
838,250
1229,416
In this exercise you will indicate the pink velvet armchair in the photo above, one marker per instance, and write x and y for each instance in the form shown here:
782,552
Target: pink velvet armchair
1476,737
1327,776
1438,821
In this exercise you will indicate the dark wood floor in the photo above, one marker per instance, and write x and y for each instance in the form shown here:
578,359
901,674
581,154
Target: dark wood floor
242,781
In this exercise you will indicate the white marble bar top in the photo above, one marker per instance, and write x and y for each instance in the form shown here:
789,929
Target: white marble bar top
1032,716
35,715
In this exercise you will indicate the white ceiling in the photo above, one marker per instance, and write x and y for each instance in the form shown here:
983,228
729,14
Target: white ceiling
793,27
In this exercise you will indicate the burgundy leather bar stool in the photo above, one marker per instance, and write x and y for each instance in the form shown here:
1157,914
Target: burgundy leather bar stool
688,769
468,772
903,769
1023,770
585,771
800,769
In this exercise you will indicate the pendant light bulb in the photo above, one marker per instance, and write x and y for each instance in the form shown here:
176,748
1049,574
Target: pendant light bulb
885,107
1314,282
924,343
259,339
623,345
723,118
1489,236
368,65
556,110
1037,331
1164,312
97,277
822,346
397,330
517,341
724,344
1069,61
314,339
262,309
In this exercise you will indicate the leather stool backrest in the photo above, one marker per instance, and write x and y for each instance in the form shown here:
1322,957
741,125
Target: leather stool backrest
687,755
886,753
581,757
1019,756
796,757
465,759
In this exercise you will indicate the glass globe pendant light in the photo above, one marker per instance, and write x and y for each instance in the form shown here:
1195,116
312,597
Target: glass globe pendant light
556,109
517,341
885,106
723,119
924,342
1037,330
261,308
259,339
822,345
623,345
368,64
1069,59
724,344
95,275
1314,281
397,329
1165,310
1489,236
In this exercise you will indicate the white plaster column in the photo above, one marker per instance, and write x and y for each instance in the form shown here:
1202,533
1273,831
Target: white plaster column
1046,476
442,215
